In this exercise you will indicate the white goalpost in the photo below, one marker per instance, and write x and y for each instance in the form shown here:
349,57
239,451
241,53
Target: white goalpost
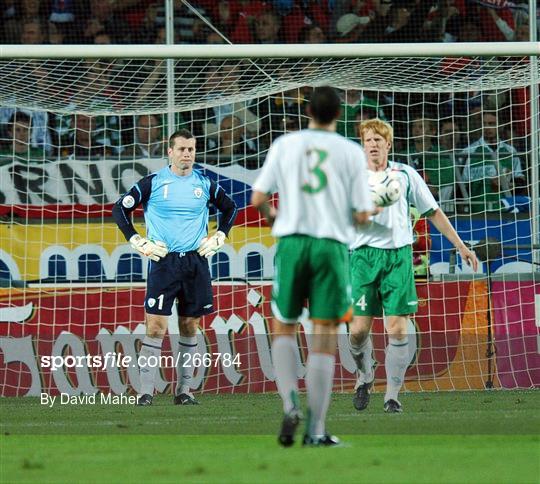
71,285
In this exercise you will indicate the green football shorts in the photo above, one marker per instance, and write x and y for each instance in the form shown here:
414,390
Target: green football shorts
383,279
312,269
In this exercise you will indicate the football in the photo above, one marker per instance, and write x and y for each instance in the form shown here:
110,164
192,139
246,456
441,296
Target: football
385,187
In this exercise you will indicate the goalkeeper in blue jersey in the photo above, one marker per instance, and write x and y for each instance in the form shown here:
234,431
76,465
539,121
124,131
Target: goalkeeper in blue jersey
176,200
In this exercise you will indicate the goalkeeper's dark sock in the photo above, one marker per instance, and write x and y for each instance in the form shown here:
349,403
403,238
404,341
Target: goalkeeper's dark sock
319,379
396,362
187,347
363,357
284,349
150,347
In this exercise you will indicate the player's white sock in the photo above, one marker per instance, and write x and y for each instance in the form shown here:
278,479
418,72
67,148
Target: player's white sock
187,346
284,359
149,347
396,362
363,357
319,378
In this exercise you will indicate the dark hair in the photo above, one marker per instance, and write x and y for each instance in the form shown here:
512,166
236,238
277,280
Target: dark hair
181,133
20,117
304,33
324,105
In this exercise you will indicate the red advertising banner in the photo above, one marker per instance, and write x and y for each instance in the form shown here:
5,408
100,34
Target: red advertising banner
516,310
37,325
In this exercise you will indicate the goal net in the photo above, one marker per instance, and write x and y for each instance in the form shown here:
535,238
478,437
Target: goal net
79,126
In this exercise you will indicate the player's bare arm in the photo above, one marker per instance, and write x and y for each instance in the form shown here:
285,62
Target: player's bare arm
362,218
443,225
260,201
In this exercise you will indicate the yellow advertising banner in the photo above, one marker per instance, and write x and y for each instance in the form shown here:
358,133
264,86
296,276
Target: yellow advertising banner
26,250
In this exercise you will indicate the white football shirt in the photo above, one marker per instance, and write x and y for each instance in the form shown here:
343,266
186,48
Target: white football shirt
392,228
321,178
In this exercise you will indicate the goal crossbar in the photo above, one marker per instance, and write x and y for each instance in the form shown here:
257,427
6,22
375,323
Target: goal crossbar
245,51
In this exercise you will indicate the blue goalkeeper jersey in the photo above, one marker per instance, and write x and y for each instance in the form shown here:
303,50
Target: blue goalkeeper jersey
176,208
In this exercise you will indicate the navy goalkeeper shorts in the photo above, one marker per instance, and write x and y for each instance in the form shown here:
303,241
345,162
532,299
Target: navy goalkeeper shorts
182,275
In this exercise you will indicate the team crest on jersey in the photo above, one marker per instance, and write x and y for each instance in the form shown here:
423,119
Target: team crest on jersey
197,192
128,201
151,301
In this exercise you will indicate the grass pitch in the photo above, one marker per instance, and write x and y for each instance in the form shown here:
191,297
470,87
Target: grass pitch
441,437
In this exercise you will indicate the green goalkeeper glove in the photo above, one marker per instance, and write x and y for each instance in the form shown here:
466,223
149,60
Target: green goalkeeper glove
209,246
153,250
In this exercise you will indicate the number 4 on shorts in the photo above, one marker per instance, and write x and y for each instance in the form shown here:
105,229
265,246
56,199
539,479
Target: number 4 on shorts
362,302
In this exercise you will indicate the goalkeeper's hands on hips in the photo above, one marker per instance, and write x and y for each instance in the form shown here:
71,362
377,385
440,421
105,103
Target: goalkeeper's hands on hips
154,250
210,245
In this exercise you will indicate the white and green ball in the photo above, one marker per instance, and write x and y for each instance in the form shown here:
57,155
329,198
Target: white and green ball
385,187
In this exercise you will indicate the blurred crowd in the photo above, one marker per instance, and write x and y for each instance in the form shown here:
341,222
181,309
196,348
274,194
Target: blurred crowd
471,147
258,21
468,148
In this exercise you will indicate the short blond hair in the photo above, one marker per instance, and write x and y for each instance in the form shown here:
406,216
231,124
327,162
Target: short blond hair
377,126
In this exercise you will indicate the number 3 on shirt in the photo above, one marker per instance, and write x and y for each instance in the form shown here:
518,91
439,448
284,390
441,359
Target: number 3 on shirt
319,173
